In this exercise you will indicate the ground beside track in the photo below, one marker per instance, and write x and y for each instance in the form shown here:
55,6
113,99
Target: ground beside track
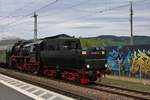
130,83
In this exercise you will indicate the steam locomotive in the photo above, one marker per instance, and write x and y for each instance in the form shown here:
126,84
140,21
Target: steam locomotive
60,56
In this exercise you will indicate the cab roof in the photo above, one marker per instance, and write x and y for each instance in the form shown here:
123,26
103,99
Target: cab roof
61,36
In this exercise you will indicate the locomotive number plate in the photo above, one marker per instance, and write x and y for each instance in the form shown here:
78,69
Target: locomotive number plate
94,53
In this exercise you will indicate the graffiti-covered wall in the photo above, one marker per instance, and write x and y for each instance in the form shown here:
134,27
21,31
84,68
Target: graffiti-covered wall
129,58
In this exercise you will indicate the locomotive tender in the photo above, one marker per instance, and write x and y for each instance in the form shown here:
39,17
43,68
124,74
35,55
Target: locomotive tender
59,56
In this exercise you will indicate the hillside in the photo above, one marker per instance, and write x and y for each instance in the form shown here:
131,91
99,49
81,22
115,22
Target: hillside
99,41
137,39
109,40
8,42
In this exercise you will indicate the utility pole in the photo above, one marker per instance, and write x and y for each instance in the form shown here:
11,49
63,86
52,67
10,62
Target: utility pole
35,26
131,24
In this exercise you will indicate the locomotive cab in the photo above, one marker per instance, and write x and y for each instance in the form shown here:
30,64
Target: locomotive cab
62,51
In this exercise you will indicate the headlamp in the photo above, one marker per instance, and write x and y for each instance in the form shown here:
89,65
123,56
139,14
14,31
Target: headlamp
88,66
103,52
83,52
106,65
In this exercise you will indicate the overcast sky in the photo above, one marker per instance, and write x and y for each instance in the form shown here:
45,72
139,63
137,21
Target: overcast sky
86,18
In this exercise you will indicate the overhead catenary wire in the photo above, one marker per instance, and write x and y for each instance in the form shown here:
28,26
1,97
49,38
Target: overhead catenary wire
100,11
29,14
93,13
12,14
87,15
81,10
86,1
16,21
51,3
73,6
97,12
77,18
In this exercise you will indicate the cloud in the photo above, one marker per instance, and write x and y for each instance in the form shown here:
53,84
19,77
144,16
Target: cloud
76,17
85,27
7,35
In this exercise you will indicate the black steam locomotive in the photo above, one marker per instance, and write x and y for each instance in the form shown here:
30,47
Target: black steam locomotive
59,56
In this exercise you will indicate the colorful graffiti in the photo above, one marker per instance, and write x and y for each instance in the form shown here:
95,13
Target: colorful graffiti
141,62
127,60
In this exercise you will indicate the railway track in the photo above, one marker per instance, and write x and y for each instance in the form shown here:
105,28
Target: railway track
40,81
122,91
